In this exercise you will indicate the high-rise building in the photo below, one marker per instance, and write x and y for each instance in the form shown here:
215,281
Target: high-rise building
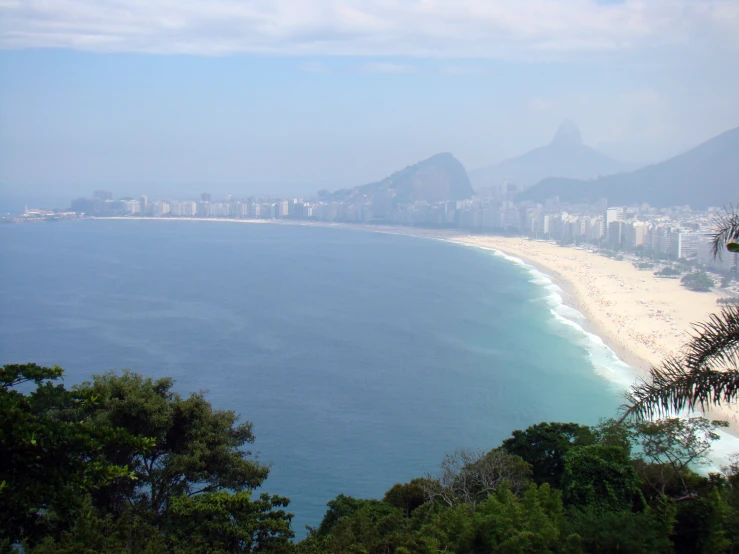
615,214
686,245
205,197
102,195
615,233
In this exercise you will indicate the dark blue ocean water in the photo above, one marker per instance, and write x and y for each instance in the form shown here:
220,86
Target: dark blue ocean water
361,358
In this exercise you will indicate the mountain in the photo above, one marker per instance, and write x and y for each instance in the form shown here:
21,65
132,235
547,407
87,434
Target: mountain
565,156
707,175
439,178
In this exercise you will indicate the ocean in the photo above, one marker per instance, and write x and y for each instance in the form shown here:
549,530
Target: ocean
361,358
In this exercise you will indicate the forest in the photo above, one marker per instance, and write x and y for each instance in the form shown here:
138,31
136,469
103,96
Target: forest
123,464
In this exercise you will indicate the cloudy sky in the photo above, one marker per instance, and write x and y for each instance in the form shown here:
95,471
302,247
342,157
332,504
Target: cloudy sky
287,96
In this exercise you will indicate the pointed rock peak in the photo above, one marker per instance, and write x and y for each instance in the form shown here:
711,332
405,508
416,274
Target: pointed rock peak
568,134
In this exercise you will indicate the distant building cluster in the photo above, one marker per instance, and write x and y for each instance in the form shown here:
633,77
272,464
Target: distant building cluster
665,233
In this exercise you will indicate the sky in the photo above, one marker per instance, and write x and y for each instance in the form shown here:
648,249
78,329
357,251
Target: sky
179,97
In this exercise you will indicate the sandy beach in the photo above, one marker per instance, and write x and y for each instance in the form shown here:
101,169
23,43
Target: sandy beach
641,316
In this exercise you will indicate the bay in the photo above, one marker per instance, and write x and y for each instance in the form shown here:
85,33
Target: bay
362,358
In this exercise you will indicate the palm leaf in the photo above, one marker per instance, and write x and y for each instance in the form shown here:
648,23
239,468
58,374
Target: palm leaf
714,342
707,373
727,233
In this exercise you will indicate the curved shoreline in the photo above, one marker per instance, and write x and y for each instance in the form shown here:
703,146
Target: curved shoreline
642,319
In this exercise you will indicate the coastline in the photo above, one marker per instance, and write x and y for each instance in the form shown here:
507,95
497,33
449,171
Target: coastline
641,318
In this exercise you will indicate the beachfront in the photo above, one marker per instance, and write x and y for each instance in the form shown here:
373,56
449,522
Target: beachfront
643,318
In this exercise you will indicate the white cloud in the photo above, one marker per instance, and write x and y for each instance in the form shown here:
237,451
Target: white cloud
386,67
423,28
460,69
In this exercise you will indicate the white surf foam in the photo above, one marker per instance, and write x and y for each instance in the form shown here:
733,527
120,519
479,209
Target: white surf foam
604,360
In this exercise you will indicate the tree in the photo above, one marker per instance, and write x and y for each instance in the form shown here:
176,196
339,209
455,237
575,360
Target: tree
52,453
504,522
544,446
727,233
599,475
356,525
698,281
700,525
671,446
468,477
406,497
124,464
197,449
668,272
224,522
645,532
704,374
707,373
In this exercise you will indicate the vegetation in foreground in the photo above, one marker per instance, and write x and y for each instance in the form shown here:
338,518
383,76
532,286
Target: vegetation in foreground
124,464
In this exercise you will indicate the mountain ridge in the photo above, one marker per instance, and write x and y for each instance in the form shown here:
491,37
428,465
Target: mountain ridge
436,179
703,176
565,156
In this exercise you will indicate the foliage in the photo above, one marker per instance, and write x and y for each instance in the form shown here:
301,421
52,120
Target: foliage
644,532
52,454
197,449
700,525
698,281
708,373
668,272
599,475
726,235
503,523
705,374
544,446
223,522
407,497
353,525
671,446
123,464
468,477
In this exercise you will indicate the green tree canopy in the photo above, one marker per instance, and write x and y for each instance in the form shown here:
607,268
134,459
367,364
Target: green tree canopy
544,447
52,454
698,281
196,449
599,475
124,464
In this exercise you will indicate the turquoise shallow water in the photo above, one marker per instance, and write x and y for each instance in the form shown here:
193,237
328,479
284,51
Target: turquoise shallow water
361,358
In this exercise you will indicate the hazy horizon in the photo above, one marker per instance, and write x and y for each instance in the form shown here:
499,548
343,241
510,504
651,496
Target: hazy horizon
291,97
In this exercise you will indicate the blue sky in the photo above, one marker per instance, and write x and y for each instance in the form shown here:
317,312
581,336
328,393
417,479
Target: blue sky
289,96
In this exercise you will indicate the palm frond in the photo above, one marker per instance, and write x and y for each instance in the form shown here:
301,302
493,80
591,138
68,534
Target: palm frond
706,374
727,230
673,387
714,342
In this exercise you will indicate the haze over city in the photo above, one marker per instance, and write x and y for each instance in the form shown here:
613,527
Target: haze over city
289,97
